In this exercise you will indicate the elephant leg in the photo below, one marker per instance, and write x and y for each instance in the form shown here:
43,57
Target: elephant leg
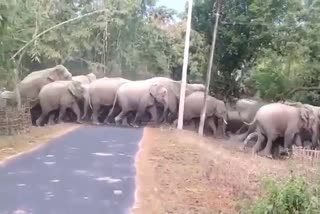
298,140
120,116
85,109
267,149
39,121
288,139
315,137
136,118
154,115
258,145
51,119
193,122
75,108
62,112
175,123
249,137
163,117
212,125
95,112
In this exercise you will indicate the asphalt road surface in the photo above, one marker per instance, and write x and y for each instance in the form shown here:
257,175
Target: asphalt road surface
88,171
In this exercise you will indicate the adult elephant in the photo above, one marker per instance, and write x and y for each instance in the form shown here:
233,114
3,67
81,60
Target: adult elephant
99,93
215,108
316,115
174,99
60,95
139,96
85,79
131,94
31,85
279,120
247,109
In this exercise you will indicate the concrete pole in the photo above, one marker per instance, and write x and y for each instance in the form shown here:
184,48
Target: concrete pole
185,66
214,37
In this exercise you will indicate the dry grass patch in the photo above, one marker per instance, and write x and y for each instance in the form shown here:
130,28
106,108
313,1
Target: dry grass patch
179,172
11,146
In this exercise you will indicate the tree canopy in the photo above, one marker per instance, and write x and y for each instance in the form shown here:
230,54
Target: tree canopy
269,48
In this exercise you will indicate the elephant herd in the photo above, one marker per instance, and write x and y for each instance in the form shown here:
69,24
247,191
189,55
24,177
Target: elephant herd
121,101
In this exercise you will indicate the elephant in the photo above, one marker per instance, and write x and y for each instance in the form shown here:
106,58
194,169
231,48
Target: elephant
31,85
277,146
139,96
215,108
246,109
316,114
60,95
279,120
85,79
99,93
174,99
132,93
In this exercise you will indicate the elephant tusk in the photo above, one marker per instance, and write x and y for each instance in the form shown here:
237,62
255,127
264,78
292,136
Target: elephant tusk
225,121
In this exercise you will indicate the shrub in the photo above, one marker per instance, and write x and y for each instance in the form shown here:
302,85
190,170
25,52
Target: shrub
293,196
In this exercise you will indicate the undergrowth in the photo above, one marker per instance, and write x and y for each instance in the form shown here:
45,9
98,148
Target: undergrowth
292,196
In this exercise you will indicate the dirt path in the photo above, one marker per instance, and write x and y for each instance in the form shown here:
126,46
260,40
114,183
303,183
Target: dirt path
179,172
12,146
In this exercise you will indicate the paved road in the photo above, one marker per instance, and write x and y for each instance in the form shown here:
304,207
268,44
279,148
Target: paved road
88,171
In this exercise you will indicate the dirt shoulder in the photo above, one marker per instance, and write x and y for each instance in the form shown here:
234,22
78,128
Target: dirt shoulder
179,172
12,146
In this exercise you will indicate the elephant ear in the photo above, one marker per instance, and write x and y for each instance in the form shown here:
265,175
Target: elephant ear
92,77
175,87
158,91
53,75
75,87
306,116
153,90
59,72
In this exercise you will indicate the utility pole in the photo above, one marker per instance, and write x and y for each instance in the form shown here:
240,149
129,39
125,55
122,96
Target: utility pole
185,66
214,37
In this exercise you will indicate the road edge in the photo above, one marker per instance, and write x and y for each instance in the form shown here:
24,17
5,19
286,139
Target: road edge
13,157
148,134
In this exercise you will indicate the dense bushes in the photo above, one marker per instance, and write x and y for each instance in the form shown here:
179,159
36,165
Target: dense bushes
293,196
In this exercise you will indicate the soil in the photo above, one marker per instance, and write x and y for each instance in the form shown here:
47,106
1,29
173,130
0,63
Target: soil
12,146
180,172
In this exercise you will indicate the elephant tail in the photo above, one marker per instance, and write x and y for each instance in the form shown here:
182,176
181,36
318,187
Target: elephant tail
251,123
113,105
248,138
89,101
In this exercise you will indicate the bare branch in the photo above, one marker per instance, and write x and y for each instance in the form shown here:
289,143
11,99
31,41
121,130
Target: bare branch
291,92
53,27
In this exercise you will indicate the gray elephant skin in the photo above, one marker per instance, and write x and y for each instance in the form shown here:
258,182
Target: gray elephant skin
313,133
31,85
100,93
85,79
140,97
279,120
170,112
60,95
215,109
130,97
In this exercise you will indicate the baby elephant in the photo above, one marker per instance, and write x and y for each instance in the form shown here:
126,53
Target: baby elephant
215,108
60,95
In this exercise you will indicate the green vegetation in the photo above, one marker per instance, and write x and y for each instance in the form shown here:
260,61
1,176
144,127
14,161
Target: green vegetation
266,46
291,196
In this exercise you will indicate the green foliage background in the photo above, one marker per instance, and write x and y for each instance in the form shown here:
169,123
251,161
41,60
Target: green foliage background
265,47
